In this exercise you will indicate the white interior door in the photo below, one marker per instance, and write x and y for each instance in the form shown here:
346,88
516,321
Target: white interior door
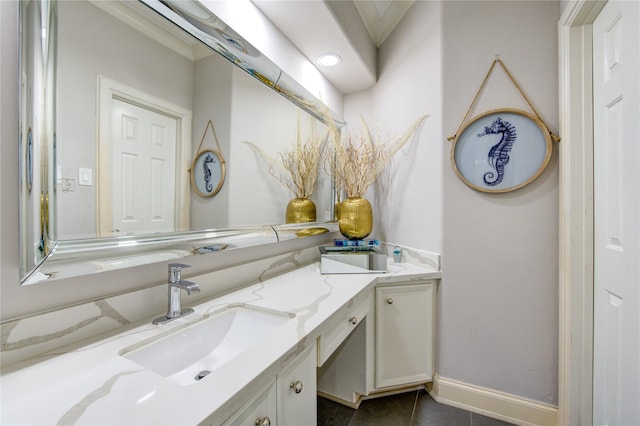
143,169
616,75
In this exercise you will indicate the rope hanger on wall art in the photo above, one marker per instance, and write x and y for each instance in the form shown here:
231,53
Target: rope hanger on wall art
208,167
503,149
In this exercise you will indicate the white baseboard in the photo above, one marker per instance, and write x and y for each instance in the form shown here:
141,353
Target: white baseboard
492,403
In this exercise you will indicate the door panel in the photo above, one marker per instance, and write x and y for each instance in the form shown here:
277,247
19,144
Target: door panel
404,334
616,93
143,151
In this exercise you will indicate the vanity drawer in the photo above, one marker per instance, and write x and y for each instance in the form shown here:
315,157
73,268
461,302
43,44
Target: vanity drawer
329,341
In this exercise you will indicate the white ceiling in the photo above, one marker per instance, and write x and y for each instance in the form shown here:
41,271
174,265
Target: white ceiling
381,16
352,29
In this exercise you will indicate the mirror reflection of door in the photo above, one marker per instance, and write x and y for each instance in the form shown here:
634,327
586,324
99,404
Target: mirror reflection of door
142,148
142,169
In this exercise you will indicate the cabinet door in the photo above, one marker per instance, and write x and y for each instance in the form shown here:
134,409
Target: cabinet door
297,391
404,334
260,411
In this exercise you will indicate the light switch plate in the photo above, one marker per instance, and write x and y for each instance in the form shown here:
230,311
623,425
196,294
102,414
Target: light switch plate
85,176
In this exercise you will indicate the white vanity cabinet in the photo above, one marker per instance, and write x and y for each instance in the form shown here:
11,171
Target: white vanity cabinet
296,394
394,348
342,359
260,410
290,399
341,328
404,334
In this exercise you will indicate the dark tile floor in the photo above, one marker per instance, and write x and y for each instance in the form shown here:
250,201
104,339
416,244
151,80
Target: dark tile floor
408,409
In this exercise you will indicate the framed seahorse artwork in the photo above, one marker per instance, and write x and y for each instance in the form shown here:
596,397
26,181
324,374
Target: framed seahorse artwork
207,173
501,150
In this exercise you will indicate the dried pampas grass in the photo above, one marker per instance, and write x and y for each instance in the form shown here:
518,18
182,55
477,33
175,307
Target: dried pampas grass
297,169
355,161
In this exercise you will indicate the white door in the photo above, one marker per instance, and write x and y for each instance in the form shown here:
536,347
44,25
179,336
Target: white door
616,75
143,169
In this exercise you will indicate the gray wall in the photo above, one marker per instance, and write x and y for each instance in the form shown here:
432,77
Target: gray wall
498,306
498,302
407,199
211,101
119,53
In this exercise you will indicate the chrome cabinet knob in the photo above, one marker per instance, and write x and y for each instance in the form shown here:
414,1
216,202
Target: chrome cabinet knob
390,301
263,421
296,386
353,320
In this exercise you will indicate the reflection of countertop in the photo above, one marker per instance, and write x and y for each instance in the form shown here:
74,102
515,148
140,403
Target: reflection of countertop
92,384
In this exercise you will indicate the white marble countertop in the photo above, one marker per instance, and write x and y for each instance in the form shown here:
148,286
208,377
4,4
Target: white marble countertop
93,384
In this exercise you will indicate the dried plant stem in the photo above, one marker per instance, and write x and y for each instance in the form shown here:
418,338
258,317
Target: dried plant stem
356,162
297,169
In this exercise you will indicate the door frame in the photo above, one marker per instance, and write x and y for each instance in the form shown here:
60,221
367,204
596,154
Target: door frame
109,89
576,279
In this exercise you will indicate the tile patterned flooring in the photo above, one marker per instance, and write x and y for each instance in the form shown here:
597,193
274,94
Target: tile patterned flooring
415,408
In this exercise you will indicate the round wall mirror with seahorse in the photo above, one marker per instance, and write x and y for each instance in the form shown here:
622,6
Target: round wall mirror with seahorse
501,150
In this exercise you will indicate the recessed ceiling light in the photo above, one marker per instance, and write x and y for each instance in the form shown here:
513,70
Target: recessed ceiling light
329,59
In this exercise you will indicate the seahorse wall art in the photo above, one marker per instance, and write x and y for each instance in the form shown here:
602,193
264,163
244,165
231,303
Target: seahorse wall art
207,171
498,156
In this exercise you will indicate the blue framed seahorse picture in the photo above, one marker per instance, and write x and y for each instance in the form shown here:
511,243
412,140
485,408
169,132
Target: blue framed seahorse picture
207,173
501,150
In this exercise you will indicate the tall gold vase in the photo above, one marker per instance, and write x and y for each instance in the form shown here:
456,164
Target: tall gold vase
355,218
301,210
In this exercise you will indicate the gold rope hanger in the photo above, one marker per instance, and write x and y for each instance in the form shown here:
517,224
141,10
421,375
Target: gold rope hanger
210,124
554,137
215,137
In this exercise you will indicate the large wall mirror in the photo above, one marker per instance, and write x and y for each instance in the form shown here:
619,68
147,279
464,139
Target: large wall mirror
99,77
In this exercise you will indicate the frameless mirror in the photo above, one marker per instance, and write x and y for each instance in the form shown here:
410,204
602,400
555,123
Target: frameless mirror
117,99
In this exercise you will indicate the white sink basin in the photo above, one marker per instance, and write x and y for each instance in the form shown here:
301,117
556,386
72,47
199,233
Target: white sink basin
189,354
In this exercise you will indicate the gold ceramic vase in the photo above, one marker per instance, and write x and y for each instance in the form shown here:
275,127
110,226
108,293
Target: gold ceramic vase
301,210
355,219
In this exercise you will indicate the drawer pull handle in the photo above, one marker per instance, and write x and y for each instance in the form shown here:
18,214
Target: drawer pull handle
264,421
296,386
353,320
390,301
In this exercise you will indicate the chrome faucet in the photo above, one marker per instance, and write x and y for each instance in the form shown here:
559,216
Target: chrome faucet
175,284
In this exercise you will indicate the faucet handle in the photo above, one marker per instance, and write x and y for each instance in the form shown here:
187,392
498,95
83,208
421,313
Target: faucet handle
174,271
178,266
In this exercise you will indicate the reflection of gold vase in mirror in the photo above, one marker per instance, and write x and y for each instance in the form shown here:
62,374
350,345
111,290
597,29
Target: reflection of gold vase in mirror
301,210
336,211
355,218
